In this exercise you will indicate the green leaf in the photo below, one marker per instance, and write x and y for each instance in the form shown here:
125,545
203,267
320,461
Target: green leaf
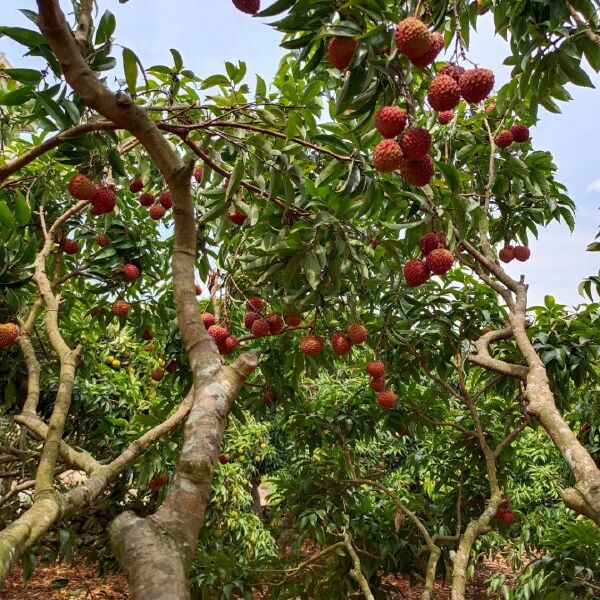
312,269
276,8
450,175
22,210
214,80
23,36
106,27
130,67
235,178
27,76
177,60
7,219
17,97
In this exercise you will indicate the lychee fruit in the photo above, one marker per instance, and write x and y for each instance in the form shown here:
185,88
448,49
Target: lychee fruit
171,366
228,346
146,335
102,240
452,70
9,332
198,174
375,368
269,396
157,374
223,458
432,241
440,261
417,172
505,138
425,59
130,272
197,288
69,246
390,121
260,328
157,211
340,51
255,304
158,482
236,217
443,93
507,253
522,253
520,133
208,319
275,322
311,345
95,312
387,156
218,332
476,84
415,143
387,399
291,318
416,272
445,117
249,318
136,185
146,199
103,201
377,384
357,333
341,344
81,188
412,37
120,308
250,7
166,200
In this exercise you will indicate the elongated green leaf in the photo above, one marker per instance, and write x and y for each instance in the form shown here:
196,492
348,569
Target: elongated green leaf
130,68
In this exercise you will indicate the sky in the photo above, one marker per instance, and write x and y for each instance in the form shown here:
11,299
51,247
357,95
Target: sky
209,33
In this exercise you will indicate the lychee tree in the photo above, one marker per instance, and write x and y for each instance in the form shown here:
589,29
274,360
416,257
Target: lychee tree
307,233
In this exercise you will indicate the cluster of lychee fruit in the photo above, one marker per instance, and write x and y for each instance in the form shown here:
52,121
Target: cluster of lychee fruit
510,252
9,332
504,513
157,208
516,134
226,343
436,259
385,398
341,343
102,199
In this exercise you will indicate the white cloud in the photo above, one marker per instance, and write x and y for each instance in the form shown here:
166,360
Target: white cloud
594,186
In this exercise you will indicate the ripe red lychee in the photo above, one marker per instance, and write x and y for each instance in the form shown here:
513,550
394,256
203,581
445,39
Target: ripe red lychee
452,70
415,143
9,332
157,211
341,344
417,172
390,121
69,246
291,318
197,288
166,200
146,199
387,156
103,201
208,319
249,318
223,458
504,503
340,51
522,253
120,308
96,311
520,133
130,272
440,261
416,272
157,374
377,384
357,333
387,400
505,138
250,7
432,241
443,93
198,174
260,328
425,59
81,188
158,482
255,304
235,216
445,117
136,185
275,322
507,253
311,345
171,366
476,84
218,332
412,37
146,335
228,346
375,368
102,240
269,396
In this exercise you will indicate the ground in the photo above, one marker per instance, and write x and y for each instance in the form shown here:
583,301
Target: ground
61,581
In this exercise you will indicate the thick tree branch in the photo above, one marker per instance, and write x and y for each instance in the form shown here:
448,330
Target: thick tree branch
485,360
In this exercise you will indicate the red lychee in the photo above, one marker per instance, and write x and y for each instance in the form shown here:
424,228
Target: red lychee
357,333
445,117
250,7
69,246
146,199
208,319
146,335
157,211
341,344
166,200
157,374
158,482
103,201
520,133
375,368
171,366
120,308
260,328
507,253
443,93
269,396
522,253
416,272
387,156
417,172
81,188
249,318
311,345
390,121
387,400
228,346
412,37
236,217
440,261
504,139
223,458
130,272
415,143
255,304
275,322
476,84
291,318
452,70
198,174
102,240
197,288
136,185
432,241
377,384
425,59
96,311
218,332
9,332
340,51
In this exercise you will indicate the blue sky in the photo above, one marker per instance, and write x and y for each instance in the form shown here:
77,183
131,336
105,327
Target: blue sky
209,33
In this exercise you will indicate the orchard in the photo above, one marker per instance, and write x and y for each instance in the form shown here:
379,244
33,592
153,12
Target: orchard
278,328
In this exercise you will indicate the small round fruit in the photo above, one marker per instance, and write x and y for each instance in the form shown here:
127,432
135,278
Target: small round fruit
311,345
416,272
81,188
377,384
387,399
146,335
357,333
116,363
522,253
69,246
198,174
250,7
476,84
387,156
136,185
103,201
275,322
390,121
520,133
228,346
223,458
260,328
249,318
432,241
341,344
255,304
158,482
9,332
417,172
157,211
171,366
375,368
166,200
291,318
197,288
443,93
412,37
505,138
440,261
415,143
435,47
507,254
130,272
157,374
102,240
236,217
146,199
269,396
445,117
340,51
120,308
218,332
208,319
452,70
